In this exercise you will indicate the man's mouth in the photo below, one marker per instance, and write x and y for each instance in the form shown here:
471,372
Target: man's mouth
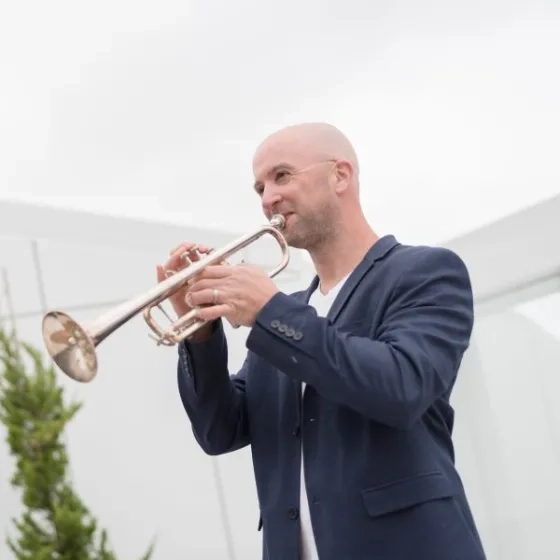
287,216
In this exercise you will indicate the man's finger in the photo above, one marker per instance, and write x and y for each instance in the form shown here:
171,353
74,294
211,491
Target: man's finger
196,252
184,246
175,260
188,245
215,271
200,284
214,312
177,255
208,296
160,273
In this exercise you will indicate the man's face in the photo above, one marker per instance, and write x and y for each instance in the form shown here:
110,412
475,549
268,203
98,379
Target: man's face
291,182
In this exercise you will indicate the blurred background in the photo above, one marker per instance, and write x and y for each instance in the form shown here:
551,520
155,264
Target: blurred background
127,127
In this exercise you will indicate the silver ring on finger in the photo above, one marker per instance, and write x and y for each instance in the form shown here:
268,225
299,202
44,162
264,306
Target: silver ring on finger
215,296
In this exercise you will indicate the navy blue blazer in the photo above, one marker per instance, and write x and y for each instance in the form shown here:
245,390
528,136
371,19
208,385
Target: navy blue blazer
376,422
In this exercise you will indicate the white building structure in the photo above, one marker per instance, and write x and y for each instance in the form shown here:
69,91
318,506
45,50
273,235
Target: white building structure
134,459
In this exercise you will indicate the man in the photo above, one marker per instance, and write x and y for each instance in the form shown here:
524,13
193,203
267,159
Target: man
343,396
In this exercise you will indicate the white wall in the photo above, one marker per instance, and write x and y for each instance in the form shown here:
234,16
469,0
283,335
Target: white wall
507,398
508,429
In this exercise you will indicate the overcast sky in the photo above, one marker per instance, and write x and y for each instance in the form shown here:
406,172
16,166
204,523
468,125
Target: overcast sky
152,109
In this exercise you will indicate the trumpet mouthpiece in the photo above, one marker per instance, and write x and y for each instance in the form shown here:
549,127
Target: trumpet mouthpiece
278,221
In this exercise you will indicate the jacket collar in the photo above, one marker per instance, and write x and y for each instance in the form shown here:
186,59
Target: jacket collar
376,252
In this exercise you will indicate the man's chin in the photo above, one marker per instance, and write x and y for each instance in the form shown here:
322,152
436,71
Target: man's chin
295,241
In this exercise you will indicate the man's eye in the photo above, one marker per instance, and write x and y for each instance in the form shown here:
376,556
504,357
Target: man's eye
282,177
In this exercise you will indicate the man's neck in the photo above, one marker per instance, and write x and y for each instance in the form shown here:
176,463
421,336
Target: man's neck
342,255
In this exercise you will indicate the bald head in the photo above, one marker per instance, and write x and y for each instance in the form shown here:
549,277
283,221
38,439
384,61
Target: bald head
308,173
313,142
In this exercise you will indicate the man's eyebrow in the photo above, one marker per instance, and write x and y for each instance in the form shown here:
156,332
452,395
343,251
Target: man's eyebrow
283,165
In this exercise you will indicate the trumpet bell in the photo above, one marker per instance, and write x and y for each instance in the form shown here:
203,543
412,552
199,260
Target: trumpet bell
70,346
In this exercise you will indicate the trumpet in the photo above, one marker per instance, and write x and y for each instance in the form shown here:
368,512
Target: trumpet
72,346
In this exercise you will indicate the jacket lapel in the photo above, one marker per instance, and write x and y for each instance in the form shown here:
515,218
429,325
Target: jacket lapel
376,252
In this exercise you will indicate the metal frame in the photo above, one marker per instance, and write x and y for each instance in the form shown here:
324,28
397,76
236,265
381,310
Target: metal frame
536,289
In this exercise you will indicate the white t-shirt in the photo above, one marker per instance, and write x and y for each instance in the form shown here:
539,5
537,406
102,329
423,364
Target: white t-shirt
322,304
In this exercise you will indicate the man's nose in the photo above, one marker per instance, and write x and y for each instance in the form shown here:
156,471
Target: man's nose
270,199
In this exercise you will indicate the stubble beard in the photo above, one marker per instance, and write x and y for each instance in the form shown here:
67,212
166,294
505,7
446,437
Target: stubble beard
313,233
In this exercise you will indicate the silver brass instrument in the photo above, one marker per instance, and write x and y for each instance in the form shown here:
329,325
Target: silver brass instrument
72,346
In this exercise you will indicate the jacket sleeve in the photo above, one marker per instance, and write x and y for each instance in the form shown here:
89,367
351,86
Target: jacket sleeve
395,376
214,401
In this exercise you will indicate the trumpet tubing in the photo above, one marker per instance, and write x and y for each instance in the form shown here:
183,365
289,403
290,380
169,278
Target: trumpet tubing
72,346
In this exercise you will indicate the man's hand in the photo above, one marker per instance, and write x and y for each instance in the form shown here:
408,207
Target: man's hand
179,258
237,293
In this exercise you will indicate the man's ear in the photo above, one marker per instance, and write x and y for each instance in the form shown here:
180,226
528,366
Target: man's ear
344,172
